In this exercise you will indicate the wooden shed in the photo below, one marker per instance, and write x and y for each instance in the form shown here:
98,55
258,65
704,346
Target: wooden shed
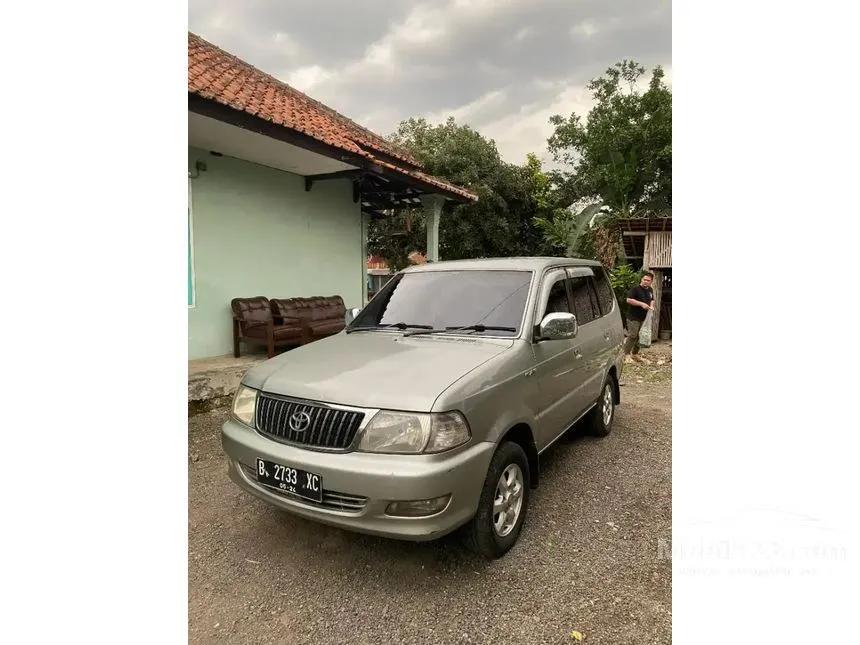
648,245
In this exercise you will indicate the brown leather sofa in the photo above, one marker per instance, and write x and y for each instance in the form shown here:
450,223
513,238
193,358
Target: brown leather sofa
321,315
279,322
254,324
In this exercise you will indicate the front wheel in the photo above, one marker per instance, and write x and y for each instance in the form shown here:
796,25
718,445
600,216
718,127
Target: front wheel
504,501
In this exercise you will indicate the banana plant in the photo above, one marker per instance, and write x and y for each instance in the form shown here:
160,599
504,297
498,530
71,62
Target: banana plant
564,229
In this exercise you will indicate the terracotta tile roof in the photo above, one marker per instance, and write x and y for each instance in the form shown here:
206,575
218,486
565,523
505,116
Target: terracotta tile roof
429,179
218,75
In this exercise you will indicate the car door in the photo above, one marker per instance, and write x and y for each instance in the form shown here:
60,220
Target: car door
557,367
591,348
610,320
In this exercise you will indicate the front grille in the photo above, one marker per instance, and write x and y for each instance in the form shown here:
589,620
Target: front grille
330,428
331,499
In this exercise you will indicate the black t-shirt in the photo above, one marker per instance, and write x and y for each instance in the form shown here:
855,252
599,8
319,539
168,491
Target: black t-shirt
642,294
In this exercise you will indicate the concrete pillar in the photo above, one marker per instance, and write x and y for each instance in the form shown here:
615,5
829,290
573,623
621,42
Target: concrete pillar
433,213
365,225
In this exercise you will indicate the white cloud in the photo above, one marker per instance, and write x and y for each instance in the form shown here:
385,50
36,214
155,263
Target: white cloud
525,32
668,75
285,42
528,129
585,28
426,26
544,84
470,111
422,26
502,66
474,5
305,79
379,54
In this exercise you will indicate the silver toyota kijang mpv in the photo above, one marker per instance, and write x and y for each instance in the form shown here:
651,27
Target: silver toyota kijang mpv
429,412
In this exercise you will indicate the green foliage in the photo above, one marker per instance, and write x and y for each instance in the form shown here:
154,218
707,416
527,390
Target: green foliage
622,278
622,155
567,233
390,238
499,224
558,233
617,163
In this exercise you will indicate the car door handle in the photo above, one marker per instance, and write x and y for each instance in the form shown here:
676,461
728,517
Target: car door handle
577,353
606,335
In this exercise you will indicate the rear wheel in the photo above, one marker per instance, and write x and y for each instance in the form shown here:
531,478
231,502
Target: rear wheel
504,501
600,418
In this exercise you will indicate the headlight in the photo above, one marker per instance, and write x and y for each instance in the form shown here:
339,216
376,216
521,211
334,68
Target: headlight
245,405
413,433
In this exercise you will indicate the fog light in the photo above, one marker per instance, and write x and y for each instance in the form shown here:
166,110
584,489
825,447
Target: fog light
418,508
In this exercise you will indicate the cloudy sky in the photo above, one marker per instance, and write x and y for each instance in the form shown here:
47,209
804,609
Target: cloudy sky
502,66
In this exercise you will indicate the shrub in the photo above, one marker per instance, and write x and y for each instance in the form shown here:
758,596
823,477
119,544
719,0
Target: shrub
622,278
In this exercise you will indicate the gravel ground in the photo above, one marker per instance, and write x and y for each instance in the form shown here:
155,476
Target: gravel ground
587,559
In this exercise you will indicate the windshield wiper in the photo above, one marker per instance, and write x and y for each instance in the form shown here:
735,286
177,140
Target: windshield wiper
477,328
397,325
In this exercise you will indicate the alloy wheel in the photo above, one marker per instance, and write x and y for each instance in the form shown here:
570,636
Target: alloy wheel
508,500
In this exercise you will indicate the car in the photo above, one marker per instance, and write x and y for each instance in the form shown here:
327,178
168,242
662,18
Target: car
428,414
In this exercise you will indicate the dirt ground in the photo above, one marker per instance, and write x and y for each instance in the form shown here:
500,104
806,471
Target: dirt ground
587,559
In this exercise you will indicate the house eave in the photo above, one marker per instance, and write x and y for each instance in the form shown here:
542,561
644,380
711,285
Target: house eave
386,170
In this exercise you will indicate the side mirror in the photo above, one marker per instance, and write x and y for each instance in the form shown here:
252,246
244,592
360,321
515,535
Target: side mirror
352,314
558,326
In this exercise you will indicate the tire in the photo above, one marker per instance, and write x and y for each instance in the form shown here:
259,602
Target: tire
600,421
481,534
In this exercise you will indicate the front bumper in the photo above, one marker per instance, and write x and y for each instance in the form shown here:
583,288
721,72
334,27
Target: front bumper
357,487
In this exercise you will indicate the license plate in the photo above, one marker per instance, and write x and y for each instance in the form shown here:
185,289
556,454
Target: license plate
291,480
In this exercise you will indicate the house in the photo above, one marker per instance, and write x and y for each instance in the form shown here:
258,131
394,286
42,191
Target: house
280,192
378,274
648,245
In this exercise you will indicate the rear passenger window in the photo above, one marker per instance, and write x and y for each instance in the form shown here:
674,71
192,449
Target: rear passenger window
605,296
584,300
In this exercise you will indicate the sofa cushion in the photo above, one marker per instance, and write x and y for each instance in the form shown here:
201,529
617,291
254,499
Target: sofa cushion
250,310
282,332
313,310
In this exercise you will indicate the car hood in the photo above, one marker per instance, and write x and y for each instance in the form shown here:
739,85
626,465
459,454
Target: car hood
374,369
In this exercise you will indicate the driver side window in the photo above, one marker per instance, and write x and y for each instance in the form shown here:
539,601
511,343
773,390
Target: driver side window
558,302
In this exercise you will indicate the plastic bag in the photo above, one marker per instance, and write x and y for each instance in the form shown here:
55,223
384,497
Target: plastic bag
645,331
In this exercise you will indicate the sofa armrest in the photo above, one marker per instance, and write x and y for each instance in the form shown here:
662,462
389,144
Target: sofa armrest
293,321
240,324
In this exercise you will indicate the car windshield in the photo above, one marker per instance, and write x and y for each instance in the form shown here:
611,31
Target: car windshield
450,299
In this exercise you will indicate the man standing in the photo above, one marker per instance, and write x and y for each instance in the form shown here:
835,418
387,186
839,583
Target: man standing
641,301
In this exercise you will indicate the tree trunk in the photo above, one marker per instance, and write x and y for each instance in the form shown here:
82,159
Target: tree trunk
606,240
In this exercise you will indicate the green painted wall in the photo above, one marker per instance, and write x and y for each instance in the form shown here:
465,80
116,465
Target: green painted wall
190,260
257,232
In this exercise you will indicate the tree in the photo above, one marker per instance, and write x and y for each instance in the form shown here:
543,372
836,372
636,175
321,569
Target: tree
621,157
501,223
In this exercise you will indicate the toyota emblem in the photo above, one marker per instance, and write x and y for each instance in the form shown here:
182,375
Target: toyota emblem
300,421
